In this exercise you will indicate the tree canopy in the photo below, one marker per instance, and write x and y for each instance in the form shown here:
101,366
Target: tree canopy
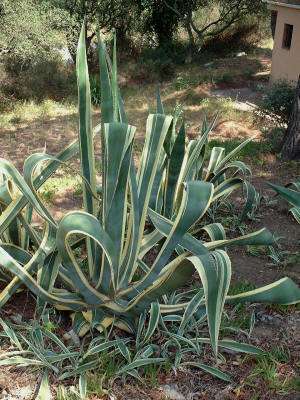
31,31
56,23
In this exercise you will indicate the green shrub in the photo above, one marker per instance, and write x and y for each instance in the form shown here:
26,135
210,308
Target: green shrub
274,137
243,35
160,62
225,77
30,32
43,80
278,101
158,69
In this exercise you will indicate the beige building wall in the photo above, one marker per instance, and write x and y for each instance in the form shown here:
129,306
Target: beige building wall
286,62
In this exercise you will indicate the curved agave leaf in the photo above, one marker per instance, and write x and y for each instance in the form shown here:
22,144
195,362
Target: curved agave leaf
225,188
211,370
17,205
252,199
283,291
215,231
21,255
232,154
292,196
87,225
10,264
262,237
30,267
296,213
215,277
233,345
13,233
235,166
11,172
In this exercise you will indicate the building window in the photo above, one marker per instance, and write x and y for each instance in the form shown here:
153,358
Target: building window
287,36
273,22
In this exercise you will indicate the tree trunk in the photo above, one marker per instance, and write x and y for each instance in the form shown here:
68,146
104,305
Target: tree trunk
273,22
291,145
192,46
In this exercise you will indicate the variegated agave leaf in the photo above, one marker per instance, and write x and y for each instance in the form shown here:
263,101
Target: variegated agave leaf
290,193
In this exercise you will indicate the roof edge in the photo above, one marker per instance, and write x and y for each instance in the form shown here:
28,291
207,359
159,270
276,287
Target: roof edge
280,4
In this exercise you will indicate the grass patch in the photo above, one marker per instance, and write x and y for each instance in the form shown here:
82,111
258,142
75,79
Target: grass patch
240,287
239,317
254,150
284,309
256,251
56,185
270,369
28,111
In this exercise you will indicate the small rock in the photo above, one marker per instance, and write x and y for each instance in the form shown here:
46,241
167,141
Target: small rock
16,318
224,394
71,335
22,393
171,392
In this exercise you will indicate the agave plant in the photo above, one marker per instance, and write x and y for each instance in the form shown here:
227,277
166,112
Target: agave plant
32,345
292,196
185,160
98,262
